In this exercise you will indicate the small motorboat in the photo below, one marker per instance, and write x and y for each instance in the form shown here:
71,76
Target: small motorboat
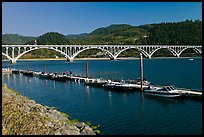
121,86
59,77
163,91
45,75
27,72
138,82
95,82
14,71
36,73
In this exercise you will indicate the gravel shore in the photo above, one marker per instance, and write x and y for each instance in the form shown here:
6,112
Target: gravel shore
22,116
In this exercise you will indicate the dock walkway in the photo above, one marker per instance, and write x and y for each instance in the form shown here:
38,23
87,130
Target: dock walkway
188,92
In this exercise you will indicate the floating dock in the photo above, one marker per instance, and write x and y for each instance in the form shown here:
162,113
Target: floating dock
190,93
6,70
83,79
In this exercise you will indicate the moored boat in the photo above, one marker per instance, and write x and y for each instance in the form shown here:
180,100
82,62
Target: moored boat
59,77
14,71
45,75
138,82
95,82
27,72
121,86
36,73
163,91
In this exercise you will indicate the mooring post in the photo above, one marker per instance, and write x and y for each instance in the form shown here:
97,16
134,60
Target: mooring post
44,68
141,71
86,69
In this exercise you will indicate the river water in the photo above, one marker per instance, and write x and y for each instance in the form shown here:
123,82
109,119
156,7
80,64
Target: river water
118,113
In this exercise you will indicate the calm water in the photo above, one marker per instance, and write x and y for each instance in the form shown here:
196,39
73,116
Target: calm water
116,112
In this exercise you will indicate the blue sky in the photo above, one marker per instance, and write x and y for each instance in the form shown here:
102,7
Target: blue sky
37,18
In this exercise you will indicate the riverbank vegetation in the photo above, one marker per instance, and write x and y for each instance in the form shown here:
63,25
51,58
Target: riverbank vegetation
188,32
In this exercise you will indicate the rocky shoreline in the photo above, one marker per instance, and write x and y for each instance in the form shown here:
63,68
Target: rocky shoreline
22,116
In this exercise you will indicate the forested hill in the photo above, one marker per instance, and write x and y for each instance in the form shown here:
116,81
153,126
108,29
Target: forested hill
113,34
187,32
16,39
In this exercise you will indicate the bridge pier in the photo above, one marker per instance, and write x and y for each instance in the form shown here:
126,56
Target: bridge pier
13,61
113,58
70,60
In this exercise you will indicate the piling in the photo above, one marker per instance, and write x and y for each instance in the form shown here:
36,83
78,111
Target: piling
86,69
44,68
141,71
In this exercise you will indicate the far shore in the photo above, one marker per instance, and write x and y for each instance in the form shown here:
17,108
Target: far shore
125,58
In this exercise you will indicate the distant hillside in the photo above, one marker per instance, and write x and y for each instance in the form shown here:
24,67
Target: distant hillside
16,39
113,34
75,36
187,33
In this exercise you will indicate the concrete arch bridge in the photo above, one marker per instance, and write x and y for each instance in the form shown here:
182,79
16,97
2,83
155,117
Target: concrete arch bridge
14,52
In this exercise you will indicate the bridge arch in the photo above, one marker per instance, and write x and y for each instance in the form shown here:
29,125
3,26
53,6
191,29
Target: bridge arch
195,49
61,52
143,52
169,49
7,56
87,48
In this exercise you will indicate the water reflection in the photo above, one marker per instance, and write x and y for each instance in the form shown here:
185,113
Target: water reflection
87,89
6,76
110,98
165,101
54,84
143,118
29,79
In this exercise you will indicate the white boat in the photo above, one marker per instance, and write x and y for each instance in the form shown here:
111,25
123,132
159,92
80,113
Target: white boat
95,82
190,59
36,73
163,91
138,82
123,85
59,77
45,75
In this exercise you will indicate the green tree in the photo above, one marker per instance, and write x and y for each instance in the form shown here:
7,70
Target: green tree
52,38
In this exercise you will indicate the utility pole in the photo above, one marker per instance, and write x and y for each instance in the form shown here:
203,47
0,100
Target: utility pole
141,71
